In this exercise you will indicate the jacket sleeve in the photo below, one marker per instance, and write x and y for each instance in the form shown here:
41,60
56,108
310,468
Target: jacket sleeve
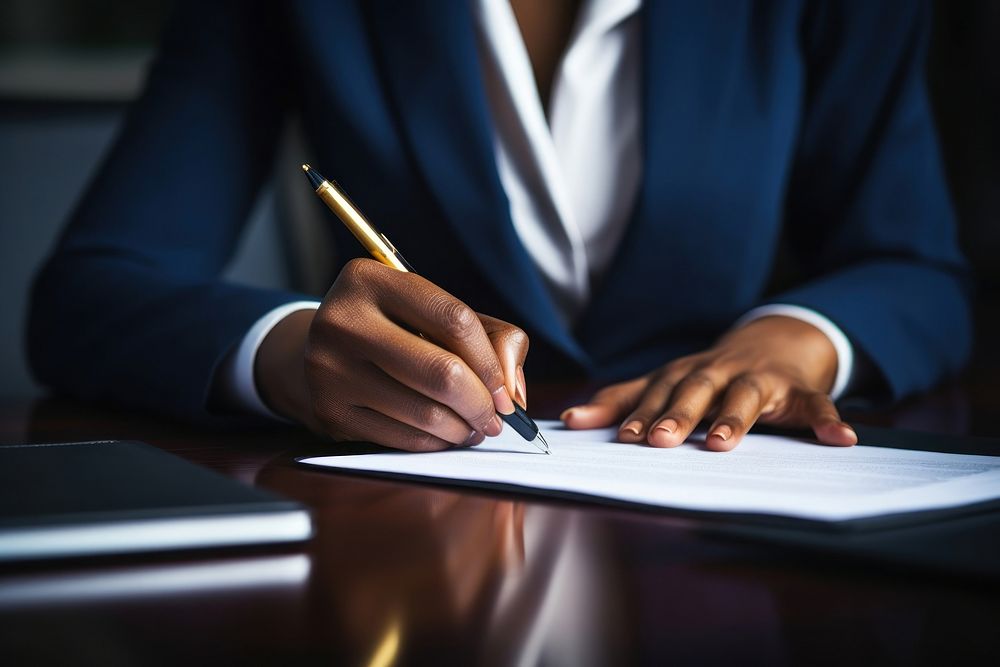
868,213
130,307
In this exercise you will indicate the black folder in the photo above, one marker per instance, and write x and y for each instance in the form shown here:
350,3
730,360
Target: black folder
108,497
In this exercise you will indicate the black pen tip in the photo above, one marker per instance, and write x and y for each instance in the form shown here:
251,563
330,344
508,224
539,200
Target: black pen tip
314,176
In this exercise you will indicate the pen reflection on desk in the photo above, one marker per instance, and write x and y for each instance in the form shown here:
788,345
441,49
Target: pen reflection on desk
379,247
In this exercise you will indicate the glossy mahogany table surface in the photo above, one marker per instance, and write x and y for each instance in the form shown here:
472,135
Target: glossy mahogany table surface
401,572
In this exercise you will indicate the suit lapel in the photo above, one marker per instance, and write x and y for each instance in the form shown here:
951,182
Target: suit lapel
431,67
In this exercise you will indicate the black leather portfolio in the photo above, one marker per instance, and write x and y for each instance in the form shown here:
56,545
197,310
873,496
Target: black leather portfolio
94,498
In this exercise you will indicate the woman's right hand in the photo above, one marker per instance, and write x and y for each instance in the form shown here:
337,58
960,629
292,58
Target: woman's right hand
356,369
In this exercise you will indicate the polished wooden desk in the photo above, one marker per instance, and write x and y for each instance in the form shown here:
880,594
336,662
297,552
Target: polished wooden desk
402,573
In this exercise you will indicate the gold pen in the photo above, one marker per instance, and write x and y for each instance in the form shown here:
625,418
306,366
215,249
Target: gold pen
380,247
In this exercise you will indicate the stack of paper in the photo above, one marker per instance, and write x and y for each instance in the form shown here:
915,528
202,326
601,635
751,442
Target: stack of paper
763,475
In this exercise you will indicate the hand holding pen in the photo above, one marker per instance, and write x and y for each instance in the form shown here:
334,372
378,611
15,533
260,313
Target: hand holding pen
391,358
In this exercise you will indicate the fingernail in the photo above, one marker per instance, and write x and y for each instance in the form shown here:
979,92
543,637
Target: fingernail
475,437
634,427
520,388
668,425
567,414
502,401
723,431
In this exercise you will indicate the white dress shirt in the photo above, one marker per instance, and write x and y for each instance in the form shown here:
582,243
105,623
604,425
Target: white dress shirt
571,178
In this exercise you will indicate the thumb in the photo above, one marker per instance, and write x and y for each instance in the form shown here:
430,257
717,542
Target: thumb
608,406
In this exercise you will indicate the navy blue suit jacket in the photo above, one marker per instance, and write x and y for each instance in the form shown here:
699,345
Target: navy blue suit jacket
769,125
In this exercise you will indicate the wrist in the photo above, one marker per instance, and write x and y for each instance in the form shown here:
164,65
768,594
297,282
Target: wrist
279,367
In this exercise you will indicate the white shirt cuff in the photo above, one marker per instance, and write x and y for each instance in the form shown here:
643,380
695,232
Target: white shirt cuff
845,351
241,385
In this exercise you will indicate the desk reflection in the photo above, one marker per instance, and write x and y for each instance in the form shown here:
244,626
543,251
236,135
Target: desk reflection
411,573
406,572
131,610
110,585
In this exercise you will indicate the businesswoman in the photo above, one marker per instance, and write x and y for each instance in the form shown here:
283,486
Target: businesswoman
614,177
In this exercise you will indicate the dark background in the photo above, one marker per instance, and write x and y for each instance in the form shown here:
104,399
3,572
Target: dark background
963,73
69,69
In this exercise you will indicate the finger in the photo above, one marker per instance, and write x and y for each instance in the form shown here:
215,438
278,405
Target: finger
386,395
689,402
510,344
368,425
741,405
607,407
823,418
433,372
453,326
650,405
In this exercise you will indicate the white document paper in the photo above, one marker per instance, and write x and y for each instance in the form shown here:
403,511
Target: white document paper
763,475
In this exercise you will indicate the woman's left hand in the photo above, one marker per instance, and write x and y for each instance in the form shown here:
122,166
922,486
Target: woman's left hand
776,370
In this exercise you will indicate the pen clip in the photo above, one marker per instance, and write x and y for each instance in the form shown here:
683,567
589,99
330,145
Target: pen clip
388,243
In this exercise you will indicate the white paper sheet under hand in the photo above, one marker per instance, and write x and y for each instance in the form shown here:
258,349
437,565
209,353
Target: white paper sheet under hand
764,475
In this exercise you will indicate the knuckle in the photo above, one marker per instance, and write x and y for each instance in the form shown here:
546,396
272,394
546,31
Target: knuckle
357,283
459,321
446,374
661,375
347,301
430,414
700,379
679,365
682,366
355,270
748,383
